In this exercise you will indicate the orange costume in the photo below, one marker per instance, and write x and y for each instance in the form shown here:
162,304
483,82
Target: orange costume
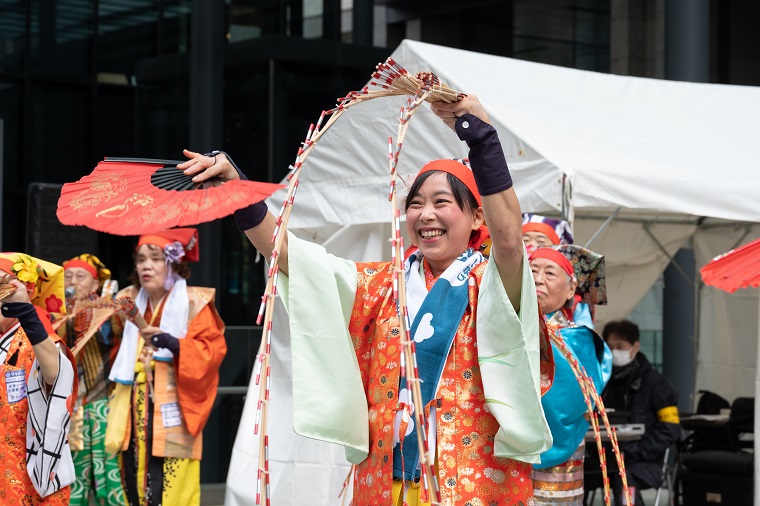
486,408
481,364
197,369
161,437
35,453
468,471
174,440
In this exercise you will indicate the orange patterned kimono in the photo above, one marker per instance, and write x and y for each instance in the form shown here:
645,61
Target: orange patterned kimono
469,473
16,487
161,463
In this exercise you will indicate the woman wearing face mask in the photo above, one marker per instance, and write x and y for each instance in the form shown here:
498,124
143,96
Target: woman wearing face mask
636,388
167,374
475,323
560,273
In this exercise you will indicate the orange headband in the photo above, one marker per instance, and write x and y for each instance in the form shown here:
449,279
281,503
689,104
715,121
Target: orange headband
556,257
542,228
464,174
82,265
156,240
456,169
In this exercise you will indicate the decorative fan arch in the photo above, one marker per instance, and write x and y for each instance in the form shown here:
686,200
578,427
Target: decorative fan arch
391,79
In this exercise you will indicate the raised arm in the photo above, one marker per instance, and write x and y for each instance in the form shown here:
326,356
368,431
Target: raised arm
255,221
469,120
19,306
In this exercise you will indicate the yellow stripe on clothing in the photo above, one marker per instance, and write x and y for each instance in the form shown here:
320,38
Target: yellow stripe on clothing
181,477
182,482
668,415
140,419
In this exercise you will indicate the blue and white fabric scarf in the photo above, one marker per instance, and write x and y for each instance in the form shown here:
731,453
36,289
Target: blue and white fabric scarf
435,317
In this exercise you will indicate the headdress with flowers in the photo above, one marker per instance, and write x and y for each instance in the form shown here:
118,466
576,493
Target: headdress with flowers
587,268
27,270
44,279
178,244
557,230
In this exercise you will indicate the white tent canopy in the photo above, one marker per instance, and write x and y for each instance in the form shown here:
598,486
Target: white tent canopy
674,162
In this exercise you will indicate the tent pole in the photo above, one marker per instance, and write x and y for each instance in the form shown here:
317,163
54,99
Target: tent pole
747,230
698,285
568,210
757,417
665,252
603,227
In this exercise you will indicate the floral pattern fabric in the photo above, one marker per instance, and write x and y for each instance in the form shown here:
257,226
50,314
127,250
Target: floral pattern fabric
589,272
16,487
468,472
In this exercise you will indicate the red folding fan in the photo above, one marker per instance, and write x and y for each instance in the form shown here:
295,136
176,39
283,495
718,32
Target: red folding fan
134,196
739,268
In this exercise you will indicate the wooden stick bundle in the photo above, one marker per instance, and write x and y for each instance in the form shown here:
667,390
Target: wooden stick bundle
409,363
6,289
394,80
592,397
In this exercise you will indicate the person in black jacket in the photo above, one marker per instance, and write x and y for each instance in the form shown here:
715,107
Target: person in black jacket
636,388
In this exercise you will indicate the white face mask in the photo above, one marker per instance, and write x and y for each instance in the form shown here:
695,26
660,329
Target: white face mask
621,358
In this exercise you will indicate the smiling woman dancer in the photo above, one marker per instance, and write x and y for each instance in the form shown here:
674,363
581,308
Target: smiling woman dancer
476,324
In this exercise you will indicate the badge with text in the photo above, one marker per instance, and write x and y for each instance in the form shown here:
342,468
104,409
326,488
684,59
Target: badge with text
170,415
15,385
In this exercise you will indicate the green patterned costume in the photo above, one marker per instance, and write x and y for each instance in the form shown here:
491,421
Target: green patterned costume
96,472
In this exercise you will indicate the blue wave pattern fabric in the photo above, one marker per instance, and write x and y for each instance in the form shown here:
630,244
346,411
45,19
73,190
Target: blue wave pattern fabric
435,317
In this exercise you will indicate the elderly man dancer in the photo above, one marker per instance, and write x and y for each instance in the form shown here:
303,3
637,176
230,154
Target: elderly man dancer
561,273
97,474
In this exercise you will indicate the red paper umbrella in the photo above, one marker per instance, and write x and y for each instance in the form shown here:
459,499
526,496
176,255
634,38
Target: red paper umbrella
739,268
133,196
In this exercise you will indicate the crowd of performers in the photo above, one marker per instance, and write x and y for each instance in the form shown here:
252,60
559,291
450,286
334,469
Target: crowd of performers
501,308
102,409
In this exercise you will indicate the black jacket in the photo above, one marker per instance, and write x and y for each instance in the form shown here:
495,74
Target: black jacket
640,390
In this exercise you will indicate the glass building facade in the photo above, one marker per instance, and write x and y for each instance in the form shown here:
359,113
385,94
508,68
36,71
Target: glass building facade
84,79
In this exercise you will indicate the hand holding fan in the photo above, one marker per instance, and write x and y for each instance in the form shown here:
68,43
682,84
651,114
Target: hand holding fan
133,196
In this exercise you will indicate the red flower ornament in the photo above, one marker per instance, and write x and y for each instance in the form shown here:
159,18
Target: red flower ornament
53,304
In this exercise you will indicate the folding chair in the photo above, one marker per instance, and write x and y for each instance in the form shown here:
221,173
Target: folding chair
669,474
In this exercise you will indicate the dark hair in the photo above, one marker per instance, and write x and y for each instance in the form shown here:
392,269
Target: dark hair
624,329
180,269
462,195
